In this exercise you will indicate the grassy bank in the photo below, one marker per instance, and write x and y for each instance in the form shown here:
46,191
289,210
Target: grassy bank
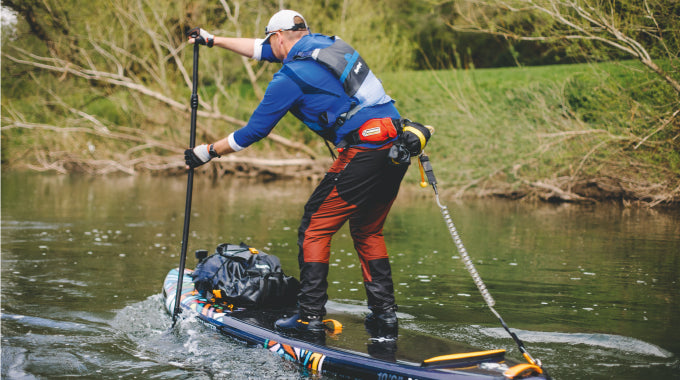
564,132
560,131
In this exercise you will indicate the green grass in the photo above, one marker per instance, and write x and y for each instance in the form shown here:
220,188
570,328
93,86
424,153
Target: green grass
515,124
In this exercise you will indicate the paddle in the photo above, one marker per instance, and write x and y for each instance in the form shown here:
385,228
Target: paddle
190,183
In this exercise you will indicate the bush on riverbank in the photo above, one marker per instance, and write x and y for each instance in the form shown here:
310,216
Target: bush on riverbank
564,131
107,91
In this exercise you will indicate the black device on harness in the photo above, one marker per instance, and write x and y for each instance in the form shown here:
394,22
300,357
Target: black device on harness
241,276
412,140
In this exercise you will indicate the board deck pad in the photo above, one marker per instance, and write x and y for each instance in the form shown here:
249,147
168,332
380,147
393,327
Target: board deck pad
410,346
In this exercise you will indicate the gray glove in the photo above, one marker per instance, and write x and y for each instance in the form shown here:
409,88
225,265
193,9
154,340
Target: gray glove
198,156
202,37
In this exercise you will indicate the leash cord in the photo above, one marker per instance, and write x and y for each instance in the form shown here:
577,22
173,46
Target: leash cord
464,255
426,167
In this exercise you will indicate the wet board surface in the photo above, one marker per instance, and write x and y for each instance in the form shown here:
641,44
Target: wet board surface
410,346
351,353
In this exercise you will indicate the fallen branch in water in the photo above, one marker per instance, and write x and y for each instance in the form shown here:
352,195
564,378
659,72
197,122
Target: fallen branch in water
148,142
556,194
241,166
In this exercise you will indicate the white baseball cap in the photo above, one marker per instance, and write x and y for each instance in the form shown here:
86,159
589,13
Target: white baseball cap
284,20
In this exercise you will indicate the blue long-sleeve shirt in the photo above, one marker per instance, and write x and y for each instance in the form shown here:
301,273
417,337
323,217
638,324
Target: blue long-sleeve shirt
311,93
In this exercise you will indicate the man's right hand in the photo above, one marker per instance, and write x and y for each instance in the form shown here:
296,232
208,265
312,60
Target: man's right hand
197,156
201,36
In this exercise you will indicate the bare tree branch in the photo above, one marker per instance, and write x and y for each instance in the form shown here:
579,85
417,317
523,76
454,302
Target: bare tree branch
60,65
233,17
11,124
585,19
661,127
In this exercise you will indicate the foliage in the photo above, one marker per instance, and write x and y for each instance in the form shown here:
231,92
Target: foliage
140,44
105,88
563,124
581,29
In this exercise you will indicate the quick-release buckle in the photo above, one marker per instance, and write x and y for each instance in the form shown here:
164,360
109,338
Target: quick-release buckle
341,146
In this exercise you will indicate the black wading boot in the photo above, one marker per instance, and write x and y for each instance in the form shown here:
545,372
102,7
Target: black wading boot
382,324
299,323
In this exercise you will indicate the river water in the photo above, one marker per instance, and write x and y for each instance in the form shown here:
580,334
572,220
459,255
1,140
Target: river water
593,291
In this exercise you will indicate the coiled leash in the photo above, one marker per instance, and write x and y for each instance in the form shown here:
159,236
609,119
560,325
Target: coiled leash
426,171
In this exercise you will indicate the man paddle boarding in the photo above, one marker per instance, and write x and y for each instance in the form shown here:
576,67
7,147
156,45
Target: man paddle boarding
328,86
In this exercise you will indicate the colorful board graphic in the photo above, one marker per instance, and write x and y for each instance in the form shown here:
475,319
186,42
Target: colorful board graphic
255,329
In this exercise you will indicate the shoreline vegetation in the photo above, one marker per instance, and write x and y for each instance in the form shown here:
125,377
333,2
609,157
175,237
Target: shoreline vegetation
107,93
509,132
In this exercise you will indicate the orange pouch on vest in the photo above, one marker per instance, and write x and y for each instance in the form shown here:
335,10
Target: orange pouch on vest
376,131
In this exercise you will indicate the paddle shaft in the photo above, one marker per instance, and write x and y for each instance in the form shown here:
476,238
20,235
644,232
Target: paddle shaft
190,185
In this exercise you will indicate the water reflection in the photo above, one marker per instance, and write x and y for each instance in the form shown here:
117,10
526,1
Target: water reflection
83,260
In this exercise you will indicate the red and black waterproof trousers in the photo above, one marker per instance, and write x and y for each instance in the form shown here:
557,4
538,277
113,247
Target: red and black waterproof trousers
360,187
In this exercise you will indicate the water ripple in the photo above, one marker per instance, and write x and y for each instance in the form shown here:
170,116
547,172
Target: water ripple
615,342
62,326
194,351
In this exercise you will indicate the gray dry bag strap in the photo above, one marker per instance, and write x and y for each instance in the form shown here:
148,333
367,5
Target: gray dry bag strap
357,79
